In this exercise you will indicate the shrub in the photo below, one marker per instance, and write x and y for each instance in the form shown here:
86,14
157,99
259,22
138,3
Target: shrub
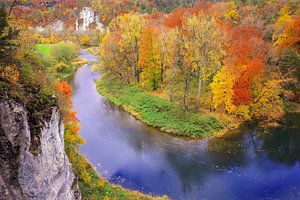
64,52
85,40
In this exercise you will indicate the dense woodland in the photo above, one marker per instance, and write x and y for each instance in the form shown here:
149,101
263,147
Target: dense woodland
232,57
235,57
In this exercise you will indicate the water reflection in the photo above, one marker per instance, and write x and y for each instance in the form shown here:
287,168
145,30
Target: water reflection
242,165
283,144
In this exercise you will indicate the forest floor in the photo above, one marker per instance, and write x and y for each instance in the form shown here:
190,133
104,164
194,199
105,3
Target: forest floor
160,113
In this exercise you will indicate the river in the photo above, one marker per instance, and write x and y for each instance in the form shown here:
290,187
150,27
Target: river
243,165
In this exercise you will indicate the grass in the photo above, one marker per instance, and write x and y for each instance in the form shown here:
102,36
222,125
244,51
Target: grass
158,112
44,49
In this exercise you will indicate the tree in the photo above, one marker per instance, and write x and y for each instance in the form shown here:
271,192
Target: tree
231,13
222,90
267,107
175,18
150,62
7,37
290,36
179,70
114,57
64,52
246,57
130,27
169,60
207,46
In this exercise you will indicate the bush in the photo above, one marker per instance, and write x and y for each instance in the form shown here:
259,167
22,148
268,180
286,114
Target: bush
64,52
85,40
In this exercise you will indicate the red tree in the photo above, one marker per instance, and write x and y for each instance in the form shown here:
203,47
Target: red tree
246,58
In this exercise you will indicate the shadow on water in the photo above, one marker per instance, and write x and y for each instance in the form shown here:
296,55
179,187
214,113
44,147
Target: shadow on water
244,164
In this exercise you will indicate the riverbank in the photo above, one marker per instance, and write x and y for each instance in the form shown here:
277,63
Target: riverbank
161,113
61,65
98,188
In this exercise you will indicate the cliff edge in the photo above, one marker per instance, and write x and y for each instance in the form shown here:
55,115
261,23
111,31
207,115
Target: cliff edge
24,174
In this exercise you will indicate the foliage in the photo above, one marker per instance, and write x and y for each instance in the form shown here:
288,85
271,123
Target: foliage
149,60
206,43
120,48
51,39
85,40
60,58
7,36
231,13
211,55
268,105
44,49
23,77
291,35
64,52
246,59
222,90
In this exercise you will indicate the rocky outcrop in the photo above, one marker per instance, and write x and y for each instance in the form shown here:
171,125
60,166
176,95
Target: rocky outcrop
23,175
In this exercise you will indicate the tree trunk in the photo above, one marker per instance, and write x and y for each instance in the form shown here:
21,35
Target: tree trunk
161,75
134,71
211,107
199,90
186,94
137,73
171,90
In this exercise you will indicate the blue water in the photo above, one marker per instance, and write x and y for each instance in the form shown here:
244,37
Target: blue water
245,164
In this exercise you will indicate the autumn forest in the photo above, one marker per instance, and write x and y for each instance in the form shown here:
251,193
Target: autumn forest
149,99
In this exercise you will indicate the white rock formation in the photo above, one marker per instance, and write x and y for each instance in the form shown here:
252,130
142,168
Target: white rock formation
87,17
47,175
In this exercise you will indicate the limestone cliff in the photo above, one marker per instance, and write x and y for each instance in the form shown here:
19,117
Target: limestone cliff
25,174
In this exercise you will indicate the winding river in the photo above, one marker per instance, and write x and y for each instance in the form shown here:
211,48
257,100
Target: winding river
242,165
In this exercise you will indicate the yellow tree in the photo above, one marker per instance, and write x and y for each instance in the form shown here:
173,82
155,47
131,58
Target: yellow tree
231,13
113,58
178,64
131,27
222,90
280,24
169,60
205,42
149,60
290,37
267,107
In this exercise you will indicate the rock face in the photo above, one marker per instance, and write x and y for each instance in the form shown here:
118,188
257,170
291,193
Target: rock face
86,19
23,175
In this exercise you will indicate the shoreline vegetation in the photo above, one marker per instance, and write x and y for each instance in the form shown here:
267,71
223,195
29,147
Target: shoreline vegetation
61,69
164,115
